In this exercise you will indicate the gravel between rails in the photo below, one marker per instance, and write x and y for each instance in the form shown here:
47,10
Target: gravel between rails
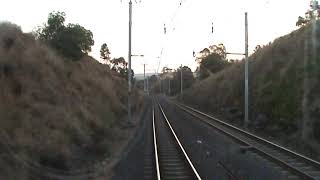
214,154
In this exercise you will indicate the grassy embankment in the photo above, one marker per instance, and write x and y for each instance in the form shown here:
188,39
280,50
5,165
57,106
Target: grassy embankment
55,112
284,86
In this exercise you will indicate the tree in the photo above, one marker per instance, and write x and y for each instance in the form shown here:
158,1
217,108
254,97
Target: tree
55,23
166,70
310,15
211,60
301,21
120,66
153,79
202,54
72,40
219,49
124,74
187,77
105,54
257,48
211,64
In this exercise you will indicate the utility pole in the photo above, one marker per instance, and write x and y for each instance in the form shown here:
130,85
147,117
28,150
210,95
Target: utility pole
246,74
129,63
144,77
246,114
160,84
148,85
169,87
181,82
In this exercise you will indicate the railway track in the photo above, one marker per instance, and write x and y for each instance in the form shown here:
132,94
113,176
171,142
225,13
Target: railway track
171,159
291,164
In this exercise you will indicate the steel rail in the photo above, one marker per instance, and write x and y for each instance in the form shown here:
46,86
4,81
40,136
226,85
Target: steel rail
284,164
155,145
179,143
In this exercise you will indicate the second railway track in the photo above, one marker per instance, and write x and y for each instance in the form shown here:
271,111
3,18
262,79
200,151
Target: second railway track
294,165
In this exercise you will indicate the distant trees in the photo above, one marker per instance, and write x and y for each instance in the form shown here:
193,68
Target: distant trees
211,60
118,65
257,48
219,49
153,79
301,21
105,54
211,64
187,76
166,70
174,76
72,40
152,82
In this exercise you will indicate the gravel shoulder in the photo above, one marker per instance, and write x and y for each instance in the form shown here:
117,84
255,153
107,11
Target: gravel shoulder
131,162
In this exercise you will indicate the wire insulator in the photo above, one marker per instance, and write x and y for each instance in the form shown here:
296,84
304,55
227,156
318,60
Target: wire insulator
212,28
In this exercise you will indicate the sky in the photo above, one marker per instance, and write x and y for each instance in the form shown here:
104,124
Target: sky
188,25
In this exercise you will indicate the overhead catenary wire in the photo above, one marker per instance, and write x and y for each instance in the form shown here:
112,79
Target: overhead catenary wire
160,57
165,30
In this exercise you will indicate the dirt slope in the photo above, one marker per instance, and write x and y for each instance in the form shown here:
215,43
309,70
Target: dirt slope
54,112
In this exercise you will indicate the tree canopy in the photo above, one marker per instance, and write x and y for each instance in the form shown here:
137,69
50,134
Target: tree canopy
105,53
72,40
211,60
187,76
312,14
118,65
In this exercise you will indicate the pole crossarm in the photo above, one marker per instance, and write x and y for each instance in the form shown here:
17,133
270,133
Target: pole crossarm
240,54
135,55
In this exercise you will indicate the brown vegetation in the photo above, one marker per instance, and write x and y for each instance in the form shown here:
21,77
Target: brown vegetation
55,112
284,87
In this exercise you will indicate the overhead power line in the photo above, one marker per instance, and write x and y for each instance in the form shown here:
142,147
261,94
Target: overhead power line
165,29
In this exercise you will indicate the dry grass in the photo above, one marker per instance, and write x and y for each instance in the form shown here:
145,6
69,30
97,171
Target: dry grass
276,83
55,111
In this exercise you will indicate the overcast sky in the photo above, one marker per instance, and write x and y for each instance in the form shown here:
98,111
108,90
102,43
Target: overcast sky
188,24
